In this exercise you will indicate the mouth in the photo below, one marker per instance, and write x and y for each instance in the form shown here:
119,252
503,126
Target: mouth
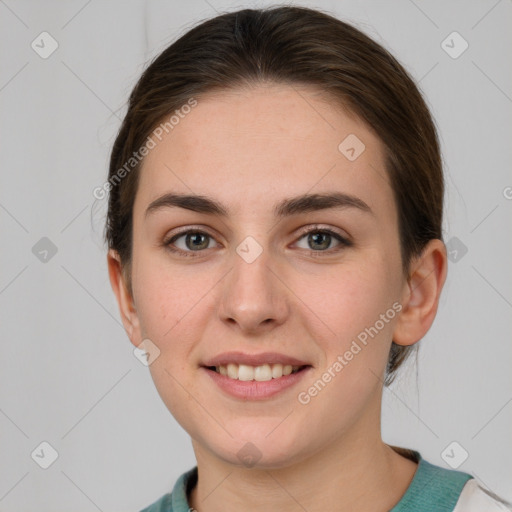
254,376
258,376
261,373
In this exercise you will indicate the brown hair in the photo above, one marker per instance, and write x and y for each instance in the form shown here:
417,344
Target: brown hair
291,45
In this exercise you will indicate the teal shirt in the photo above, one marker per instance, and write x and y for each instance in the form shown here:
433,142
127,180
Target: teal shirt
432,488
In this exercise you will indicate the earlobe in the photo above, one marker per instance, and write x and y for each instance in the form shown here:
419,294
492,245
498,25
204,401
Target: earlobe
420,298
124,297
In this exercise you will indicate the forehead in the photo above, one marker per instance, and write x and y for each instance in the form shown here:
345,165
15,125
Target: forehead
250,147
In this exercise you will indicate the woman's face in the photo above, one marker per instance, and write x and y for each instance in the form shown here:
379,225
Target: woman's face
254,287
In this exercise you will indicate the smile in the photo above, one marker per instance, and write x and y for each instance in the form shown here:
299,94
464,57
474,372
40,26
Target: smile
259,384
259,373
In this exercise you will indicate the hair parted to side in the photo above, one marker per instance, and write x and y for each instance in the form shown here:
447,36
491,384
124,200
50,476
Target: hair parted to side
302,46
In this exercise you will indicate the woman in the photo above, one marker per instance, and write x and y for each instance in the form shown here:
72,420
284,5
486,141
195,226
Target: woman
275,247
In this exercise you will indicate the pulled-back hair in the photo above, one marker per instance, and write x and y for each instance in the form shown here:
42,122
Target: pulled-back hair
291,45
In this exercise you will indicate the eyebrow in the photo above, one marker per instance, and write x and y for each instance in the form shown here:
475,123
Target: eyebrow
292,206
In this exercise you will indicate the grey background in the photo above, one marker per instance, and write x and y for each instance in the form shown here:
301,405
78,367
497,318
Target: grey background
68,375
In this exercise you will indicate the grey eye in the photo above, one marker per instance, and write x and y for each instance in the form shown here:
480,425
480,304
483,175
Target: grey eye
193,241
320,240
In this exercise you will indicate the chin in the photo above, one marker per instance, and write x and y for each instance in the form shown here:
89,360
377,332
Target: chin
258,448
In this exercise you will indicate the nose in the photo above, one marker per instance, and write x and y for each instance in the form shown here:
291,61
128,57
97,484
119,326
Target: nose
254,298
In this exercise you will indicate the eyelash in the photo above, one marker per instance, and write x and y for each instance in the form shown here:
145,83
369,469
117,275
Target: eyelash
344,242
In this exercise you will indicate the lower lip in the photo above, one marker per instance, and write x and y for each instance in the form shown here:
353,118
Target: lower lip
253,389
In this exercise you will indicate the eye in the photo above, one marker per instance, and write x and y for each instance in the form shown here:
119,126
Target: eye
193,241
319,240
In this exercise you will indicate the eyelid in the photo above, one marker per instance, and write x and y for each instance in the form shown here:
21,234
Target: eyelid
343,239
167,242
325,228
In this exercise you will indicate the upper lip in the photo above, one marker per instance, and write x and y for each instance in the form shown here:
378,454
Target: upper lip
253,359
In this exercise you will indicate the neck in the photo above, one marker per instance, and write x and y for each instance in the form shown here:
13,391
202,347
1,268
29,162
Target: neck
354,473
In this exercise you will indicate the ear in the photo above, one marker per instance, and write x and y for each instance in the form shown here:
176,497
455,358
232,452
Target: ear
124,298
420,297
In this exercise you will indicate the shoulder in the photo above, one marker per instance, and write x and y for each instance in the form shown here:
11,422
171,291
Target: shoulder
176,500
446,490
163,504
474,498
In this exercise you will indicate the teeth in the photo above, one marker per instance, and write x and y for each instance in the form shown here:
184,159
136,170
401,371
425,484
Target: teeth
259,373
245,372
232,371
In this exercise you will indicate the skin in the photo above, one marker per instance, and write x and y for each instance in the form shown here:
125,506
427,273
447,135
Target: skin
249,149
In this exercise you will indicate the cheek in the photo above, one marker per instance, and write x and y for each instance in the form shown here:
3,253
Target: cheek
355,305
164,295
167,306
356,311
173,305
348,298
157,304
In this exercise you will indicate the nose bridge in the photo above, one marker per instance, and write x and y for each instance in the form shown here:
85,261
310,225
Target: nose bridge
252,295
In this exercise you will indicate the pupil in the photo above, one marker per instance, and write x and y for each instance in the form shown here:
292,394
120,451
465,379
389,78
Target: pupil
317,239
326,235
194,237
